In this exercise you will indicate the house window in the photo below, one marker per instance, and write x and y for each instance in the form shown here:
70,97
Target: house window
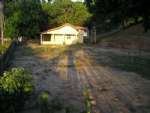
46,37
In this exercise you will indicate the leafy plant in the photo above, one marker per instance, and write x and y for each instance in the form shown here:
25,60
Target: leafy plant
88,105
48,105
43,102
15,87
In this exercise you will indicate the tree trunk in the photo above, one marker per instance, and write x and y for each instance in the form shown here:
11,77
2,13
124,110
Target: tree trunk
2,21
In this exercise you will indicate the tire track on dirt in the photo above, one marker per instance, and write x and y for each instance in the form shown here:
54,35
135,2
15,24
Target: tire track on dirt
107,94
124,92
128,100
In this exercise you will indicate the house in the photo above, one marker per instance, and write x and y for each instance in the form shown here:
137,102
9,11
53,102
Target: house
66,34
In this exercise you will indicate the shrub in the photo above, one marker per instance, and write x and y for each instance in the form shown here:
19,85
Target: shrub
15,87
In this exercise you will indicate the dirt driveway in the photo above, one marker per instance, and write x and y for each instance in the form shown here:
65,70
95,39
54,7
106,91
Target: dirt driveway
65,72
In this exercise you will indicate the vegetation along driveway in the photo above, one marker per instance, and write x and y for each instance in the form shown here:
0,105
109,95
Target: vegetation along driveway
80,78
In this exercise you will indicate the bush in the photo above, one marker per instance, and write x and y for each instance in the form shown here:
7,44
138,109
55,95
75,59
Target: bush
15,87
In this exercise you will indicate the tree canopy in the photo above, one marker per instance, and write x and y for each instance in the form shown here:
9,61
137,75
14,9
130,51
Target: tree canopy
118,11
29,17
65,11
23,18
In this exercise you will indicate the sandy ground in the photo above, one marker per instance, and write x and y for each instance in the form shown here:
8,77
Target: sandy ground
67,73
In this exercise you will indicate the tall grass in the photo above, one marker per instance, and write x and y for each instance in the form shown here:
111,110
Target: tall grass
4,47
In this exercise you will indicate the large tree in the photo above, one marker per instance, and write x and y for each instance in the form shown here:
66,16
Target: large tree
90,4
24,18
66,11
29,17
120,11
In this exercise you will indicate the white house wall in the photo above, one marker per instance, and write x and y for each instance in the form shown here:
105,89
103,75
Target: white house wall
64,30
58,39
60,36
72,40
63,40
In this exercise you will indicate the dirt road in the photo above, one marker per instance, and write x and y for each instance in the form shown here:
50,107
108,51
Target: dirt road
66,73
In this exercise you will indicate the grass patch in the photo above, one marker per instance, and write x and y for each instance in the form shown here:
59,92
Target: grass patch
135,64
52,51
4,47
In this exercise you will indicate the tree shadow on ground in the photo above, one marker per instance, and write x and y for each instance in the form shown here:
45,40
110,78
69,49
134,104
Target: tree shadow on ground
59,74
28,58
126,62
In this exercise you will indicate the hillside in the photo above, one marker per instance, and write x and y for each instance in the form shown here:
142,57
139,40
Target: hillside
131,38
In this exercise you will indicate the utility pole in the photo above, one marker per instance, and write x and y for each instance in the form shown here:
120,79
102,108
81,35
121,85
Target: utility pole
2,21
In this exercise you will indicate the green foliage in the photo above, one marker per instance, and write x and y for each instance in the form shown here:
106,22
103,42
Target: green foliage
65,11
11,25
88,105
16,80
43,102
47,105
24,18
29,17
44,96
109,14
90,4
15,87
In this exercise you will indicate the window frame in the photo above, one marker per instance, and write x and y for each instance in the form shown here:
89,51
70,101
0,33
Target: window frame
46,38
